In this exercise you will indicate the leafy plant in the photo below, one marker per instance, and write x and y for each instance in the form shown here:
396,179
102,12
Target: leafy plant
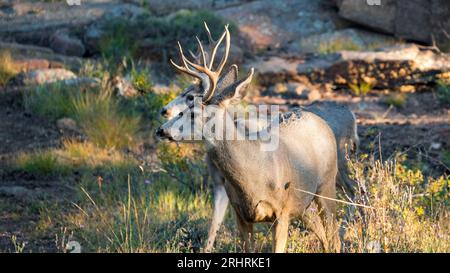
361,89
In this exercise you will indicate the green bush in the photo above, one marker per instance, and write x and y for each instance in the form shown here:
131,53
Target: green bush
161,33
443,92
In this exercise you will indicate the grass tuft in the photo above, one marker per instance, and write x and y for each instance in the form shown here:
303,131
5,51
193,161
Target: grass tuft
443,92
101,119
7,69
396,99
43,164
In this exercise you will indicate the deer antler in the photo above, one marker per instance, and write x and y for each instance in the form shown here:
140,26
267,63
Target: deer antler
205,72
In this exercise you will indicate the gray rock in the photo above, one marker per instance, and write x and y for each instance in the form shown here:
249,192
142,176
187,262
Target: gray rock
275,69
386,68
168,6
380,17
64,44
265,25
21,192
24,53
418,20
35,22
346,39
95,33
67,124
303,91
45,76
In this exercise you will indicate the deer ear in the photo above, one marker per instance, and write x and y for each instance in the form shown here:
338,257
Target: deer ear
234,92
229,77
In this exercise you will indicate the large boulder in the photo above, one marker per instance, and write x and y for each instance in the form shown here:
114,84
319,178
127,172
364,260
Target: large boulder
61,42
162,7
44,76
386,68
37,22
267,25
29,57
418,20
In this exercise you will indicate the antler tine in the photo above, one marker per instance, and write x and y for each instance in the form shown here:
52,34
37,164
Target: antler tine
200,46
214,47
186,68
226,52
211,40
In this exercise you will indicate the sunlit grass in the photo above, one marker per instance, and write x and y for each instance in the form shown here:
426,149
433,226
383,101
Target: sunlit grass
51,101
396,99
41,163
7,69
103,123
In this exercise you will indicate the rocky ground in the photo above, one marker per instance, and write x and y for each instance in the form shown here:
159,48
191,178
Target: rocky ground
302,51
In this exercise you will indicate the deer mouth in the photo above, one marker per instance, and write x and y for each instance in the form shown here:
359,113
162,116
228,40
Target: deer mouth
161,134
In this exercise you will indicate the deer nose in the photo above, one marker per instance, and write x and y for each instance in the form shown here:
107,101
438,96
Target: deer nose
165,112
160,132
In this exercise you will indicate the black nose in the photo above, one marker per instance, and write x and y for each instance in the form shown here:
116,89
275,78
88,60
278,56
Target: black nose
163,112
160,132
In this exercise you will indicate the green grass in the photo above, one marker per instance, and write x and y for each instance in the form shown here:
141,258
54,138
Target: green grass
43,164
100,118
51,101
107,120
396,99
121,207
130,215
443,92
337,45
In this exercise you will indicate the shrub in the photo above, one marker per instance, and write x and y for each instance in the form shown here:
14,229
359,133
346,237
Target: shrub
361,89
409,212
141,81
396,99
443,92
160,33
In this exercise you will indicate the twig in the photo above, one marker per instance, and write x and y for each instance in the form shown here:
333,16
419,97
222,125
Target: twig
337,200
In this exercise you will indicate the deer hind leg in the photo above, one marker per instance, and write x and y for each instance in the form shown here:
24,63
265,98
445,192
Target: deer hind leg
220,207
246,233
280,234
327,211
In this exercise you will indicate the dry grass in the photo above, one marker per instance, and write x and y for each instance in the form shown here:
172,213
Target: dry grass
7,69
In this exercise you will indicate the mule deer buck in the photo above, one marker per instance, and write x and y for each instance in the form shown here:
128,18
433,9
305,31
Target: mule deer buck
339,118
262,185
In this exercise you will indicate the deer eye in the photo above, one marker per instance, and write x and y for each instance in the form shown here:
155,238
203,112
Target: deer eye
180,114
190,97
